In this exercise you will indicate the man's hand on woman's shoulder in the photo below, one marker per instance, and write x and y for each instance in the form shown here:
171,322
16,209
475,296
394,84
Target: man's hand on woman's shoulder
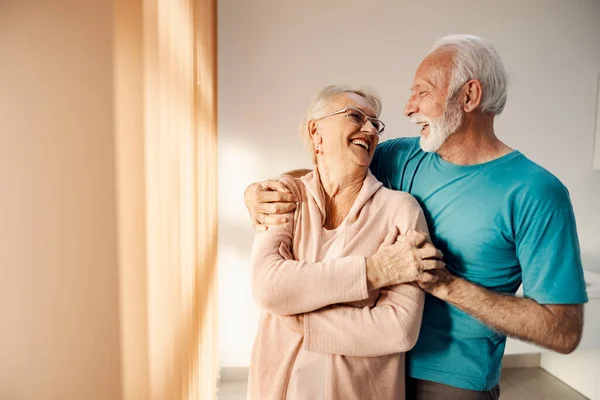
266,201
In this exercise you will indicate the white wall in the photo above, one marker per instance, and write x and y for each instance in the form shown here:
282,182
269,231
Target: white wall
580,370
275,55
59,327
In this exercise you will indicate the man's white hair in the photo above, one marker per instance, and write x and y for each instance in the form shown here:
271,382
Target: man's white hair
476,58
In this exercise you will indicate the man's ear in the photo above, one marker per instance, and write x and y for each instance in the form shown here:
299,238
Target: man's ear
472,93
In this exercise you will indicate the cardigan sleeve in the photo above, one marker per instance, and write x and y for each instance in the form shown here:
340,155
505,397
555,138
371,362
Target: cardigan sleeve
391,326
284,286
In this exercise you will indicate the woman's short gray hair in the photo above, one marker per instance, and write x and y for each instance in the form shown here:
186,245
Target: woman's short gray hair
319,106
476,58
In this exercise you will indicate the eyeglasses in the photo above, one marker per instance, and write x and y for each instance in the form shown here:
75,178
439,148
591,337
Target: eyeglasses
359,118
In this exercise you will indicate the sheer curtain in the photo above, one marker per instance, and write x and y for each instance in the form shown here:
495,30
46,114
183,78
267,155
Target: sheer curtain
165,113
206,95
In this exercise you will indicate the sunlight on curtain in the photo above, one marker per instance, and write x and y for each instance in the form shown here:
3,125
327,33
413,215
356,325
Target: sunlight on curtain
180,123
165,121
206,47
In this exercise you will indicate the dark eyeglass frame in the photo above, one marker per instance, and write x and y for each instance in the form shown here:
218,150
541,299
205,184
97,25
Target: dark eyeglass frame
365,118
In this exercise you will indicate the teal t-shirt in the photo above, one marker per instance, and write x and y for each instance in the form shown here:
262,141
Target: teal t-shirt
498,224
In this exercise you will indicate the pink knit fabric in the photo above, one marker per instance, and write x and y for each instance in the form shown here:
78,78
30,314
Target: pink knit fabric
361,336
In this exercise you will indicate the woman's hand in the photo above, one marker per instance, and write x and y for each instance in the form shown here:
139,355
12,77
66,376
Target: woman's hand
403,259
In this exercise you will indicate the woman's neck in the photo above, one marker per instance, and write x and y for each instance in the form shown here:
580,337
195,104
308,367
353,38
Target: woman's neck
341,189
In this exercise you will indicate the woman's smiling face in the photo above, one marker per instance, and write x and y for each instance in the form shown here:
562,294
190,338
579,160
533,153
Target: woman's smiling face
341,137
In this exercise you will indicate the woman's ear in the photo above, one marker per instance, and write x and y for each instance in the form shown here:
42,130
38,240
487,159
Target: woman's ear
313,132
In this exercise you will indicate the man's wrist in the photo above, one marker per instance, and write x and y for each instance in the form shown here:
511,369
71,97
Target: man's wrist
448,287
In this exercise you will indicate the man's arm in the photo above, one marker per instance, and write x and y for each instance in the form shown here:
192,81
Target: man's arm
557,327
296,173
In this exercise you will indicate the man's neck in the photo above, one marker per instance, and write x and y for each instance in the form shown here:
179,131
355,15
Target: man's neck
475,143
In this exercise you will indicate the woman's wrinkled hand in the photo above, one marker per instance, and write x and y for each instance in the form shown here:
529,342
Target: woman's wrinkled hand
403,259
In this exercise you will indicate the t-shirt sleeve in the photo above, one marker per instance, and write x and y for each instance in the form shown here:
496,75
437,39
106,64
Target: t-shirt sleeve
548,251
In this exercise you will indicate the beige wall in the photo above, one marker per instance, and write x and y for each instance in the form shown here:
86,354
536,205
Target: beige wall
59,329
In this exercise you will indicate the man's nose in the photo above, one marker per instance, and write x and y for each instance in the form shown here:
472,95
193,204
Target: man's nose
411,107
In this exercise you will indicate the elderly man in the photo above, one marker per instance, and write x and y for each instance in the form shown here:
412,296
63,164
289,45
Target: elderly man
499,219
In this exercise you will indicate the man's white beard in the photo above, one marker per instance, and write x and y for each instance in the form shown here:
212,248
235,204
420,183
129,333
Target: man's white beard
442,127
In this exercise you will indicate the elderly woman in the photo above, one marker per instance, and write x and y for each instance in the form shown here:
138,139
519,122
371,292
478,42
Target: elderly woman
329,329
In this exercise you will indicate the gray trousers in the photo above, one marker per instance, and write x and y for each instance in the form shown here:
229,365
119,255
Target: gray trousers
418,389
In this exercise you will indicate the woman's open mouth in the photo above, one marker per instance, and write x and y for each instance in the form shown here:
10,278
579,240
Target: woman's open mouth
362,143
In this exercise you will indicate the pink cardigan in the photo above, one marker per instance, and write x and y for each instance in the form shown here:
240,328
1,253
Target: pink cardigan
362,334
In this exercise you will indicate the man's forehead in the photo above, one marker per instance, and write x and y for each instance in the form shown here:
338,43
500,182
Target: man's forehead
439,59
425,78
435,67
